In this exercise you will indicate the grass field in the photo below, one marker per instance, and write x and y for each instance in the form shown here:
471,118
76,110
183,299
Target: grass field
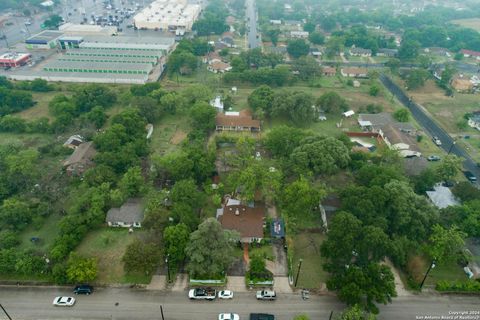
108,246
307,247
449,271
41,108
46,231
473,23
26,140
265,251
168,133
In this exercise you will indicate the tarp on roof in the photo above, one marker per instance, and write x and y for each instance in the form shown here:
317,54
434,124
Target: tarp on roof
277,228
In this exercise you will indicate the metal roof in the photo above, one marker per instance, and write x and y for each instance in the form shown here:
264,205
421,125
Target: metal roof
44,37
92,65
165,41
112,52
107,59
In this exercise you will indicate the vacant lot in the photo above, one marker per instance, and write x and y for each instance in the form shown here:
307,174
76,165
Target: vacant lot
168,133
469,23
45,231
41,108
306,246
108,246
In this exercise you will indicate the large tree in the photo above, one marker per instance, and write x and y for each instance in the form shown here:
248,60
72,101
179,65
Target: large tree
203,117
262,99
332,102
307,68
176,239
81,269
141,257
446,244
297,48
210,250
295,105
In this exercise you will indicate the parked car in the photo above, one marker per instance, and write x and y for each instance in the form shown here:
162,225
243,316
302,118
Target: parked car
83,289
228,316
225,294
202,294
63,301
266,295
470,176
433,158
437,141
261,316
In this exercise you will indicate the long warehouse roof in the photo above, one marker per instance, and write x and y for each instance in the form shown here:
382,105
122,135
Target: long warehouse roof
131,40
107,59
92,65
112,52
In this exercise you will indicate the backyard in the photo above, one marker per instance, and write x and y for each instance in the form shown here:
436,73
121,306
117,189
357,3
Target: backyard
108,247
306,246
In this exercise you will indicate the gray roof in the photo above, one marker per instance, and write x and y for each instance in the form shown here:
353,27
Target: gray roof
108,42
112,52
379,120
442,197
96,59
92,65
360,50
46,35
386,50
131,211
84,153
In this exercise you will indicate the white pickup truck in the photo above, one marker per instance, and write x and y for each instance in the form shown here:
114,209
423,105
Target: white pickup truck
266,295
202,294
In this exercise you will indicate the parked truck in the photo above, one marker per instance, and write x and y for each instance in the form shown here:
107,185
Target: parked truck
202,294
266,295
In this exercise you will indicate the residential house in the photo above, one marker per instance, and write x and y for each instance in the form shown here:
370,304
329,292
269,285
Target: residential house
230,20
74,141
295,23
460,84
360,52
396,135
275,22
329,71
81,159
470,53
129,215
287,7
240,121
384,52
279,49
248,220
210,57
474,120
227,38
219,67
354,72
400,141
316,52
220,45
299,34
442,197
439,51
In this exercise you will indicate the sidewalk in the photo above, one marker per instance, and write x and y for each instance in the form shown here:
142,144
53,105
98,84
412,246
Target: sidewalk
181,283
158,282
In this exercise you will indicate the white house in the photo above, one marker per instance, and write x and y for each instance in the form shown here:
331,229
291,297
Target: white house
299,34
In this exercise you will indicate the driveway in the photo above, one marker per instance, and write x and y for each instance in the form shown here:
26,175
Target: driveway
279,267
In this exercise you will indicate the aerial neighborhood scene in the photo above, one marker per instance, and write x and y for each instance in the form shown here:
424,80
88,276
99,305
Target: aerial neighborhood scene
280,159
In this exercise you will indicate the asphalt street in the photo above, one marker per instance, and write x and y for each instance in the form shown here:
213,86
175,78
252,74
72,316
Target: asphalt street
253,36
122,304
430,126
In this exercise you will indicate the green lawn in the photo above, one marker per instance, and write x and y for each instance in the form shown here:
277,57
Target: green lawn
47,230
27,140
168,133
306,246
450,271
108,245
265,251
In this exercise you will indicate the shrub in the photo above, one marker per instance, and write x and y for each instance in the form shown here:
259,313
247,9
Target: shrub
458,286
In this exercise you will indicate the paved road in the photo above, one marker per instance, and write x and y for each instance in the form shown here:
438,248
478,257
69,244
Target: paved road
36,303
430,126
253,36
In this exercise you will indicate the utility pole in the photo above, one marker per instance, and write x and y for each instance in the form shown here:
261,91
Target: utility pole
298,271
161,312
5,311
432,265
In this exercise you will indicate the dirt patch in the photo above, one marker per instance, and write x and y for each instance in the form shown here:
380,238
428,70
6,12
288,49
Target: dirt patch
178,137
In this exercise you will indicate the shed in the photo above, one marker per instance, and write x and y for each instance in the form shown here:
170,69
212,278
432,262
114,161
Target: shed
348,114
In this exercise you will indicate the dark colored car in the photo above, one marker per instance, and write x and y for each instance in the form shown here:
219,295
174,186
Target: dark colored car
83,289
470,176
261,316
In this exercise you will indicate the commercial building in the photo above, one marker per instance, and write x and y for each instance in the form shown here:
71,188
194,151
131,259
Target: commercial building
164,44
85,29
114,53
98,67
168,15
14,59
44,40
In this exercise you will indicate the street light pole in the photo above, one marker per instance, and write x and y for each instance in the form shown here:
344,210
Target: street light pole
5,311
298,271
432,265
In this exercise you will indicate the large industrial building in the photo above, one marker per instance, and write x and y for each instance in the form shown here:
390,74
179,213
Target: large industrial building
165,44
168,15
44,40
85,29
